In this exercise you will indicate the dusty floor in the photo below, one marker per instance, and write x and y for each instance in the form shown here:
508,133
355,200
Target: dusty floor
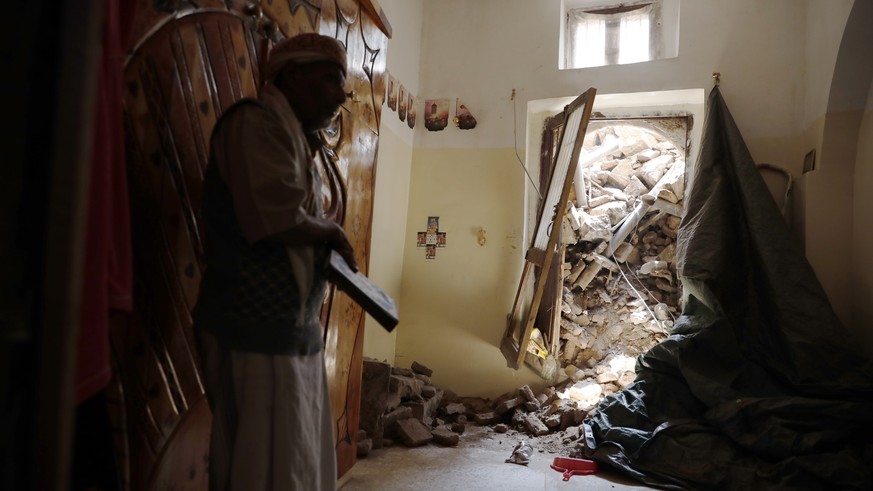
477,463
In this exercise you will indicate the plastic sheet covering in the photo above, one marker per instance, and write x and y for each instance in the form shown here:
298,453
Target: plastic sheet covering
759,385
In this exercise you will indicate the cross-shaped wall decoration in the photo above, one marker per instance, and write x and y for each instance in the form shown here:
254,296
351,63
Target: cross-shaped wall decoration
431,239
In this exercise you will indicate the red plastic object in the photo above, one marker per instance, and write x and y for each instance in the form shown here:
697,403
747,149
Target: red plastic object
574,467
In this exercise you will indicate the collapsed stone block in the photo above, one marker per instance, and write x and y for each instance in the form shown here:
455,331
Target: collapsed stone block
389,420
374,397
445,437
412,432
487,418
421,369
535,426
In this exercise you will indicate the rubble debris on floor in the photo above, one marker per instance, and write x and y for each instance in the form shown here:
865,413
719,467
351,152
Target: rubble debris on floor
400,405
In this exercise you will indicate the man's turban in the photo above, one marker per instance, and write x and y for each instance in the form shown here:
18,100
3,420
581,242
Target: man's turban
304,48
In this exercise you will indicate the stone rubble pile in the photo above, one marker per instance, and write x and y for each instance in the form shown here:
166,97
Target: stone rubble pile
620,288
401,405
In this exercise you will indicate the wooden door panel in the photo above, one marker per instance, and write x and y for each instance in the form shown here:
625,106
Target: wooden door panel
376,46
350,10
294,16
356,149
183,465
188,64
176,85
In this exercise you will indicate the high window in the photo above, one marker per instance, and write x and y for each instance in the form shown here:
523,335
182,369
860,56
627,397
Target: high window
597,33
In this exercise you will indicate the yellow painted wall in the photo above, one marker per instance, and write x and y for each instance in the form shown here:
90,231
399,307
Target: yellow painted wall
454,307
389,226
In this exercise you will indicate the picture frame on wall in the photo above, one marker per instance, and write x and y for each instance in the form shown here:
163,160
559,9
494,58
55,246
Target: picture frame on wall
809,161
401,103
392,93
411,112
436,114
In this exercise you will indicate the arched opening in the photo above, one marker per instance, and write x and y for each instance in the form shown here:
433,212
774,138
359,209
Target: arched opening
837,226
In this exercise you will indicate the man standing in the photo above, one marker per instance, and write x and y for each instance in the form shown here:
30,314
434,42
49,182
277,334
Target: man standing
257,316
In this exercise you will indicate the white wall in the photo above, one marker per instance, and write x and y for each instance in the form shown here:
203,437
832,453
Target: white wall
479,51
825,21
404,57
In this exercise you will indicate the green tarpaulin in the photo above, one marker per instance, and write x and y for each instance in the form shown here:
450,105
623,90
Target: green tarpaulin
759,385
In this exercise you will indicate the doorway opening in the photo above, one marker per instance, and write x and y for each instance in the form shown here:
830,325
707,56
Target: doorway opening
614,291
617,293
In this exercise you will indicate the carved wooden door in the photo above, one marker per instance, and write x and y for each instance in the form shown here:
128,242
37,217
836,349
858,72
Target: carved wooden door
188,63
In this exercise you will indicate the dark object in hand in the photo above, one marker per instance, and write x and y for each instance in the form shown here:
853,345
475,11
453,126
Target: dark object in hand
363,291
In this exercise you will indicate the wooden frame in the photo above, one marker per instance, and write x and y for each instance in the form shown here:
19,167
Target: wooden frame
545,239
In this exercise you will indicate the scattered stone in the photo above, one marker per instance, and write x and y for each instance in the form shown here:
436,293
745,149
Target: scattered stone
364,447
446,437
413,433
527,393
535,426
405,386
375,398
404,372
390,419
508,404
501,428
421,369
455,408
626,378
571,434
553,421
487,418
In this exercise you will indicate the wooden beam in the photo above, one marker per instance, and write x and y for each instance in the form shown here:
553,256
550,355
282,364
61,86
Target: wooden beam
373,8
513,350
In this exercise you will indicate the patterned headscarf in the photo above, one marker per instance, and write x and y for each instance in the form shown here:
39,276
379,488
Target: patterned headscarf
304,48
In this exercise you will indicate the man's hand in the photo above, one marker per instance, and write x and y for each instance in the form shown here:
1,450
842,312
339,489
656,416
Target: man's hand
344,248
318,231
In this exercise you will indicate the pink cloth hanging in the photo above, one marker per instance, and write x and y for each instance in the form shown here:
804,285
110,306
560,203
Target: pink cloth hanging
108,276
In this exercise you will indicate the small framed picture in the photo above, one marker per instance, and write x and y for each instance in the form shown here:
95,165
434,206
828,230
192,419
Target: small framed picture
809,161
410,112
401,103
392,92
436,114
